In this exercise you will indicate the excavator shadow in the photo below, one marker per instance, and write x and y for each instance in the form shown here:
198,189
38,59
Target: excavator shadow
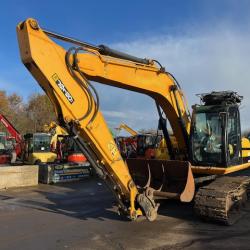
91,198
87,199
177,209
102,205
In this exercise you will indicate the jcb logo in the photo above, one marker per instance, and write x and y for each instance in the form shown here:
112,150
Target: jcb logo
63,88
113,149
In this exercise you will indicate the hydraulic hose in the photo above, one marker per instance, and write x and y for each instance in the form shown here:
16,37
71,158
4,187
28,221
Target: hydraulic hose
73,68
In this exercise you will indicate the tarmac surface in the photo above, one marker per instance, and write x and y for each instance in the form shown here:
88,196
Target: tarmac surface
83,216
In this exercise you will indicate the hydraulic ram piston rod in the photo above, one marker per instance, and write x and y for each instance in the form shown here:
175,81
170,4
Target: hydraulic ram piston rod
70,40
102,49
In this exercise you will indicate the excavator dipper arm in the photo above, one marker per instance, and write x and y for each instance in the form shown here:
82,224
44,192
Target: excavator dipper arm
64,76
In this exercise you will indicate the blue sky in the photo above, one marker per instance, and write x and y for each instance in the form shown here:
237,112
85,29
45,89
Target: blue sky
204,43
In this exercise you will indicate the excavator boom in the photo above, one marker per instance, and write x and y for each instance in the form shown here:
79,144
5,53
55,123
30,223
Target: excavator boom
65,75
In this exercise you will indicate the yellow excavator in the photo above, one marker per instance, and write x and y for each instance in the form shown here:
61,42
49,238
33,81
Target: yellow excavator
127,128
209,143
152,145
63,144
126,145
142,145
55,131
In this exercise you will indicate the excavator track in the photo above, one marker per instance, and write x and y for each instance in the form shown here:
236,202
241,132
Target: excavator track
223,200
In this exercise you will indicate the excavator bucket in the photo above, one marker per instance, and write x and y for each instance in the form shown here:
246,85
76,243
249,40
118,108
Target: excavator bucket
167,179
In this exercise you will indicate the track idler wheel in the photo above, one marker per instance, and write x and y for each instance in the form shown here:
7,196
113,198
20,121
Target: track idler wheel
235,206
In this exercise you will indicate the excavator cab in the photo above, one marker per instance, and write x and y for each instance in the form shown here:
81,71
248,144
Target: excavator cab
215,136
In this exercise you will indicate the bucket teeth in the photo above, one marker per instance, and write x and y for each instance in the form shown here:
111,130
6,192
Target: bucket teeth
149,177
163,178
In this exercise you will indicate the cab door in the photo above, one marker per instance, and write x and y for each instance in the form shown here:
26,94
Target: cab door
233,137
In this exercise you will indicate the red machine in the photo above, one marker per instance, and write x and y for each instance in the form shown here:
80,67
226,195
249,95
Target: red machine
138,146
4,155
15,137
68,151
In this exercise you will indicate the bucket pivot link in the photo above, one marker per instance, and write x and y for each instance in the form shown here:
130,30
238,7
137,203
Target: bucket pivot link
148,205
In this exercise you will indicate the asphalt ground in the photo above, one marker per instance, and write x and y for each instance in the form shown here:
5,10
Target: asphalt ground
83,215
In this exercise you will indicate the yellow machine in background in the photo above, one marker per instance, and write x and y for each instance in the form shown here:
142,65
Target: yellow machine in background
245,144
160,149
126,128
138,184
37,148
63,144
56,131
